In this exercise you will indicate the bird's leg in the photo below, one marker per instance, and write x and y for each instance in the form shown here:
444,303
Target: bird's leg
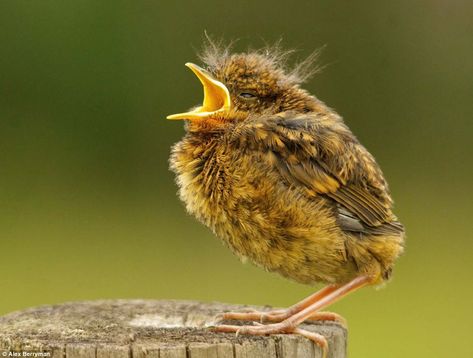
282,314
339,293
290,324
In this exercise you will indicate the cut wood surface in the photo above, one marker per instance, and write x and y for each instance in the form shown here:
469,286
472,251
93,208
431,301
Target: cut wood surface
148,329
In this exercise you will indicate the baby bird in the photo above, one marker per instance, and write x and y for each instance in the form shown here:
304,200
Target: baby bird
279,177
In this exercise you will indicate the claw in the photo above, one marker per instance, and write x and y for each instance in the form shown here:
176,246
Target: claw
318,339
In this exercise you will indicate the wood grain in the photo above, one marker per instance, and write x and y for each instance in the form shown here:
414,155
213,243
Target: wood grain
148,329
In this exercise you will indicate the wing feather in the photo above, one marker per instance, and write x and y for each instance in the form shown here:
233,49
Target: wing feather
321,154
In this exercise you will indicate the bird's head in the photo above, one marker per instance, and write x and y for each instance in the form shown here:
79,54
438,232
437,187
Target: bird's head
241,85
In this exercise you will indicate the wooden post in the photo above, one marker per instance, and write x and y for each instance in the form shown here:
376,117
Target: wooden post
148,329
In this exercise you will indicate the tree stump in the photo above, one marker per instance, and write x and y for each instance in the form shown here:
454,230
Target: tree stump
148,329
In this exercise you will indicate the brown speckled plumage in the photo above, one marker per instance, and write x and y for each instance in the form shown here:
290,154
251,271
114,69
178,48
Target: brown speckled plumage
279,177
283,181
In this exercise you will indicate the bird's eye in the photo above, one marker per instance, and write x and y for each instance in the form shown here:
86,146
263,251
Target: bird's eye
247,95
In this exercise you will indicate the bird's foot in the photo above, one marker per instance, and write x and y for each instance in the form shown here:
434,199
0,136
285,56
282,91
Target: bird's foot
296,314
279,316
328,316
284,327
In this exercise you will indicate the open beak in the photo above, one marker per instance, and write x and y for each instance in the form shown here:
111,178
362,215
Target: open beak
216,97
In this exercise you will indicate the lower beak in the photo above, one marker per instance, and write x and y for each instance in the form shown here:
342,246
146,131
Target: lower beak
216,97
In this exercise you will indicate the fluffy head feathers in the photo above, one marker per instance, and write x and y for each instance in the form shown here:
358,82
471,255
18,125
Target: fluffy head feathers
272,58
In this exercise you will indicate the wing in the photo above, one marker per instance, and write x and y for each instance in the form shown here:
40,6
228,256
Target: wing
320,154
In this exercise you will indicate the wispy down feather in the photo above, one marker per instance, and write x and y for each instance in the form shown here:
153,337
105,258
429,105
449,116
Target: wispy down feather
216,53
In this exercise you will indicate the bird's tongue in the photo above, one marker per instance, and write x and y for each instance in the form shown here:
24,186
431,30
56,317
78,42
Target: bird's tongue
216,97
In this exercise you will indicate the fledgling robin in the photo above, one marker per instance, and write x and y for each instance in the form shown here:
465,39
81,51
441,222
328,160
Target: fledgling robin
280,178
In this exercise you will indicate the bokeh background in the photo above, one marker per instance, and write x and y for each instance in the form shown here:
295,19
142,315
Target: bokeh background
88,207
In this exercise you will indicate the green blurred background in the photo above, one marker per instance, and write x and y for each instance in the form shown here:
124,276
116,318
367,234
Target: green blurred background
88,206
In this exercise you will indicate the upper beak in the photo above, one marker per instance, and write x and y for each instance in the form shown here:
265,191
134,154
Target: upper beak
216,97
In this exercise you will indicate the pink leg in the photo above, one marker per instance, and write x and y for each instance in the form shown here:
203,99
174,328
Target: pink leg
290,325
351,286
281,315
